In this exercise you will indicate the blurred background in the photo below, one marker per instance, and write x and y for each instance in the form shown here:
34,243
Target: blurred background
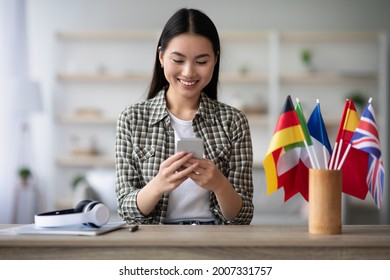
68,68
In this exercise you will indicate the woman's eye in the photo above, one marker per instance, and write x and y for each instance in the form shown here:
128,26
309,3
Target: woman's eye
177,61
201,62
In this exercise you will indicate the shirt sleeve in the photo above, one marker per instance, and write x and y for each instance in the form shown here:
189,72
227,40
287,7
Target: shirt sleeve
241,168
128,182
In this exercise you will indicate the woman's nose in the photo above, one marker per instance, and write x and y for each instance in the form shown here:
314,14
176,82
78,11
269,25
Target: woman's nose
188,70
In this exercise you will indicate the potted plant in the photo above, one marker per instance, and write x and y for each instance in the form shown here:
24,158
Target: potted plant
77,180
24,175
307,59
25,205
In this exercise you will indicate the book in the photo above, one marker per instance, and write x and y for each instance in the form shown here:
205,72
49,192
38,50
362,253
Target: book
32,229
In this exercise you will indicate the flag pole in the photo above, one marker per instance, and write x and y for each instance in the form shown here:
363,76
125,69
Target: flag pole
315,157
344,156
333,155
338,154
338,137
325,157
308,152
342,136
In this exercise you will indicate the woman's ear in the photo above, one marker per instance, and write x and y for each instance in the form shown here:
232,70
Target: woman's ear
161,56
216,58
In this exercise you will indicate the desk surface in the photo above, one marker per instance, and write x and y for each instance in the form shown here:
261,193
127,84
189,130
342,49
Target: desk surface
204,242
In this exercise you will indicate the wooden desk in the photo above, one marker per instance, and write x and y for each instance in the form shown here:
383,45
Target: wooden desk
205,242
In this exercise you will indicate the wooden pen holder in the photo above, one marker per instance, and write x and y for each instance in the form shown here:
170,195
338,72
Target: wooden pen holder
325,188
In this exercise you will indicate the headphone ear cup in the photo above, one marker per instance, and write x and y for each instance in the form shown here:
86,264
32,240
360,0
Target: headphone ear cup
100,214
88,207
81,205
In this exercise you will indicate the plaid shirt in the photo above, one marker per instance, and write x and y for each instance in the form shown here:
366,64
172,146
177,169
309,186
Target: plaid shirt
145,138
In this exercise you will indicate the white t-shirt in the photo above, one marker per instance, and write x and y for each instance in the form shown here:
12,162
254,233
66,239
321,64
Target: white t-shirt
189,201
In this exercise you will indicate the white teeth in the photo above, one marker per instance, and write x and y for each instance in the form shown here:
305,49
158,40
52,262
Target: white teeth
187,83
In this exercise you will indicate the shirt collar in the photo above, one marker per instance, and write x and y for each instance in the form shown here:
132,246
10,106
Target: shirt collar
158,107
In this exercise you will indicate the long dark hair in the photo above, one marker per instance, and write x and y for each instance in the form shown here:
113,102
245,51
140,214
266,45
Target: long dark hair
184,21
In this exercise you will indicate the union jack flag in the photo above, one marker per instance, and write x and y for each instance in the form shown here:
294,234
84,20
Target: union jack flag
366,138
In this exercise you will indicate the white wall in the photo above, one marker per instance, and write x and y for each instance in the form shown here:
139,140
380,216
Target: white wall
45,17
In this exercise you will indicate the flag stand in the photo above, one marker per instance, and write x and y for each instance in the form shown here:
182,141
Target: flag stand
325,188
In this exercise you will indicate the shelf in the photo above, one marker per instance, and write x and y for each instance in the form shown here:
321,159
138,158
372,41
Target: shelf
103,77
309,78
328,78
258,164
243,78
243,36
87,120
228,78
257,119
108,35
335,37
86,161
153,35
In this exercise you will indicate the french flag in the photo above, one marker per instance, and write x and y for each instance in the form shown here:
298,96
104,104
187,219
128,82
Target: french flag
319,137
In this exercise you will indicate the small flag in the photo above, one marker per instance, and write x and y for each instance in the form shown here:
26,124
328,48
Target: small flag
302,120
351,122
348,124
354,173
307,159
287,132
308,155
317,129
366,138
355,165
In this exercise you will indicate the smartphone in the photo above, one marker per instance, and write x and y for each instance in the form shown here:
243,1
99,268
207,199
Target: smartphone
191,145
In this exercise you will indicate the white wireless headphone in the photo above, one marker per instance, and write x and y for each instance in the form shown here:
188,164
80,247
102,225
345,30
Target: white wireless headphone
87,212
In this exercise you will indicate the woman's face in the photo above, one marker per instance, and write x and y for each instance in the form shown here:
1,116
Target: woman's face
188,63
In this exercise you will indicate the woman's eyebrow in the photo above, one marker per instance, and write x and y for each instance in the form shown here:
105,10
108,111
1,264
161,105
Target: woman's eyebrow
197,57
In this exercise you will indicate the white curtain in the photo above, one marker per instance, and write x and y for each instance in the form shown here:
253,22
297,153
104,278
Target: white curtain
13,69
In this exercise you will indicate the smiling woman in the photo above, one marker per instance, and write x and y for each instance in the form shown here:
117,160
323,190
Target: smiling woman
156,184
194,23
188,64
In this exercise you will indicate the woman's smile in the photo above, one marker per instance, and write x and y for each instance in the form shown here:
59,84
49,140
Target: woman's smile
187,83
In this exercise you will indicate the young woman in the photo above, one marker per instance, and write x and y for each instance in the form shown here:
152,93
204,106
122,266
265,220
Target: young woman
155,184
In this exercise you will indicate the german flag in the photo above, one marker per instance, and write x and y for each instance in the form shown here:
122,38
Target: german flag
288,132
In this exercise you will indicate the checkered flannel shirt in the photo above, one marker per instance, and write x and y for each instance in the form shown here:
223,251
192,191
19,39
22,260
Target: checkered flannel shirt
145,138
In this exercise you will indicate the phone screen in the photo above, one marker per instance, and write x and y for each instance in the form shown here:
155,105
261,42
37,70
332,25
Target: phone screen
194,145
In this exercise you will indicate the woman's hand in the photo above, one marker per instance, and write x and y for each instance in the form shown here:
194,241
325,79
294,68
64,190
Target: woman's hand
173,171
206,174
